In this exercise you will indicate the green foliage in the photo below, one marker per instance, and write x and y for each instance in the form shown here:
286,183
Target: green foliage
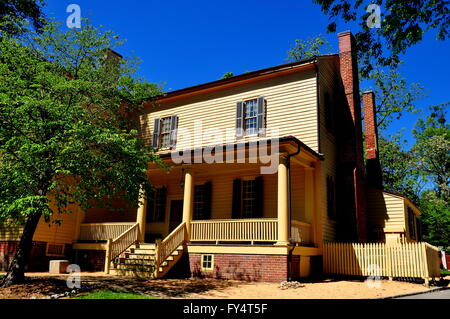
66,132
13,11
311,47
435,219
227,75
400,173
403,24
107,294
394,96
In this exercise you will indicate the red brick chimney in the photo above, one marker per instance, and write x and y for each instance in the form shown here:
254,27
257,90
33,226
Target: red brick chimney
350,81
373,168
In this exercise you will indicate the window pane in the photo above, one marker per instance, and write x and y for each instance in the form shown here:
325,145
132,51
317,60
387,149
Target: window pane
248,199
250,114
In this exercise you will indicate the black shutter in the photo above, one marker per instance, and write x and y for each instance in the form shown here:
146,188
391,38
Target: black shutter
236,207
156,131
208,200
173,131
260,119
259,197
239,119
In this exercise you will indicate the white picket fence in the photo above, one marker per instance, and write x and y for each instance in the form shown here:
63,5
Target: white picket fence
401,260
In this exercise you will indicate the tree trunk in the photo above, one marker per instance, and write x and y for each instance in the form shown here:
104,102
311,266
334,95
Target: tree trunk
16,270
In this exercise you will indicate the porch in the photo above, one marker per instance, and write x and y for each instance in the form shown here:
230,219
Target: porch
239,206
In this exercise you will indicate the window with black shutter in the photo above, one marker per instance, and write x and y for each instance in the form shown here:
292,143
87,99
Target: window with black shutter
156,205
165,132
202,201
247,198
251,117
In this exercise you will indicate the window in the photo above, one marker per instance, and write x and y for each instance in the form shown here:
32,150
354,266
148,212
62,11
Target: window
411,224
207,262
164,132
55,249
331,198
247,198
164,137
251,117
202,201
156,205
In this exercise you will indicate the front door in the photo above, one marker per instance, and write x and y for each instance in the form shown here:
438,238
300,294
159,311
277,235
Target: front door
176,214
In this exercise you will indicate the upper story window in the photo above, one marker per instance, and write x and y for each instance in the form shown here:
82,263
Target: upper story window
251,117
165,132
247,198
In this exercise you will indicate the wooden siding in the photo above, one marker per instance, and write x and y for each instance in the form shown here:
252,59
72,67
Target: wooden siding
291,108
385,211
327,84
47,232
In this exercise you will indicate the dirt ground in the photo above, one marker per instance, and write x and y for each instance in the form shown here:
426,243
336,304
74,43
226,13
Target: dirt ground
39,285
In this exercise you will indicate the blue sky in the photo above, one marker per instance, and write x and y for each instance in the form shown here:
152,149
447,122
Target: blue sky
183,43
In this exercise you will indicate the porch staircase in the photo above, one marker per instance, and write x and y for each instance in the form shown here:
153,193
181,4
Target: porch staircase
139,260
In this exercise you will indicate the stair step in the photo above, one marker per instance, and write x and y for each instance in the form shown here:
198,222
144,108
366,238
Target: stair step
138,267
133,273
142,250
139,256
138,262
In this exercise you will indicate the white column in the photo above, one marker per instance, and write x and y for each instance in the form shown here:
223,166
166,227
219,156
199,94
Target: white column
188,200
283,202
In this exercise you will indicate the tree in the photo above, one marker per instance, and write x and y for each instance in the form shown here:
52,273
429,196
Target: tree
66,128
394,96
403,24
311,47
399,169
12,11
227,75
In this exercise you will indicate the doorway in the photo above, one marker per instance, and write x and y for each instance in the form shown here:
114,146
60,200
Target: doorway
176,214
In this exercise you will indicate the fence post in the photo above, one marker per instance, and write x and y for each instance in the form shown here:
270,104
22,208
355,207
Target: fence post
108,256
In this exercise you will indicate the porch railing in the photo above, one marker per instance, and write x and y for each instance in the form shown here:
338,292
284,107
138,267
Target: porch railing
166,247
261,229
102,231
121,243
301,232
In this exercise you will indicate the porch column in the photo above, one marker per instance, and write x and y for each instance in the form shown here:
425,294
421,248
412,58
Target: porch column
141,219
283,203
188,200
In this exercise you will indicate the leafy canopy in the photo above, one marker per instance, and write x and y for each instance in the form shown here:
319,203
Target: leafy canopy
403,24
67,128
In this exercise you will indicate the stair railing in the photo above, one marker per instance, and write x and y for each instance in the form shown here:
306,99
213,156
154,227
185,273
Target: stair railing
166,247
118,245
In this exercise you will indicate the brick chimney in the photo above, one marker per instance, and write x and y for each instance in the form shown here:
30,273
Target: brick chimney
373,167
350,82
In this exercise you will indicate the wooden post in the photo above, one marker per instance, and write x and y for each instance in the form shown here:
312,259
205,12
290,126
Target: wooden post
283,203
188,200
108,256
157,260
141,219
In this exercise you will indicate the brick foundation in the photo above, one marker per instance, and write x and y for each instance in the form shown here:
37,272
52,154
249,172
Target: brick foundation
271,268
89,260
38,260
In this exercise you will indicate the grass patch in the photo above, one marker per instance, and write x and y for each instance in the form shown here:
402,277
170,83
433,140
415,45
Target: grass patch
107,294
445,272
2,276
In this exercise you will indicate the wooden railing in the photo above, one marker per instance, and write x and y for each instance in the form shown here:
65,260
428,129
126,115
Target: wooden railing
400,260
166,247
261,229
301,232
118,245
102,231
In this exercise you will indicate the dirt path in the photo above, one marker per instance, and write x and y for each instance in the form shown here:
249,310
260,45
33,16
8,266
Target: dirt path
40,285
